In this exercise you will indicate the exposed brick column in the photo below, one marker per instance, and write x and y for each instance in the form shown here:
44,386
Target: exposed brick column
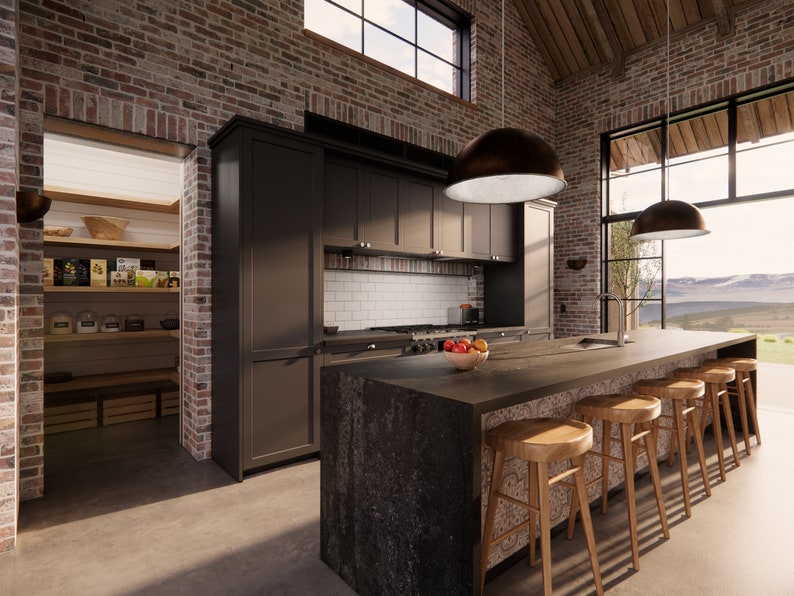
9,279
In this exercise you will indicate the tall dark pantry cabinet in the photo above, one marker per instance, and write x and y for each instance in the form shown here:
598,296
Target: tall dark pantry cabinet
266,296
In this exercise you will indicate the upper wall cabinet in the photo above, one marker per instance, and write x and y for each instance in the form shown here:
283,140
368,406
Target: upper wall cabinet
388,210
492,231
377,208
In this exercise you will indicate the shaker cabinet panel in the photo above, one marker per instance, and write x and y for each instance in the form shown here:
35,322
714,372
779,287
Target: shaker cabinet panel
420,216
281,247
382,223
479,216
492,234
280,410
342,203
453,227
266,295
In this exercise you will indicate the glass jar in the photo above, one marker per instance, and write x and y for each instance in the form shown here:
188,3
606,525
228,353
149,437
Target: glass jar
61,323
110,324
87,322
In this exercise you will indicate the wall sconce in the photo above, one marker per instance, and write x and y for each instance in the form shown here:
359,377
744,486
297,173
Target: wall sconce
576,264
31,206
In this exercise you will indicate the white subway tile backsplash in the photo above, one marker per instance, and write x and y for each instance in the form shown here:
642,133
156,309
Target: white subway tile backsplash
361,299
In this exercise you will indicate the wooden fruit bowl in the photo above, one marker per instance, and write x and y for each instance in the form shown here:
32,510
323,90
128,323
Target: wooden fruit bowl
105,227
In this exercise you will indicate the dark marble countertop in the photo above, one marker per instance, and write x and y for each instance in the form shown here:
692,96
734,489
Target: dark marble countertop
522,371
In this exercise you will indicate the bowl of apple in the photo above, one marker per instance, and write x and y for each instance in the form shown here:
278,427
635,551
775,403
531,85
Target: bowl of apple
465,354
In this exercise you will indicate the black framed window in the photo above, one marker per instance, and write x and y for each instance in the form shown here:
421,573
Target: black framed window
726,158
424,39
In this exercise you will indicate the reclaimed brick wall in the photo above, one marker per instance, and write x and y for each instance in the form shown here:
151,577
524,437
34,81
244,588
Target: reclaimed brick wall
704,69
9,280
179,70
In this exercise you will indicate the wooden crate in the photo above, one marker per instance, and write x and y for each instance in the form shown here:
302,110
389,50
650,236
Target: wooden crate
74,415
169,402
128,407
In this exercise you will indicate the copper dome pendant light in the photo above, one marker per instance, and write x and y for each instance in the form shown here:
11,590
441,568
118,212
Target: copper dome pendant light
504,165
668,219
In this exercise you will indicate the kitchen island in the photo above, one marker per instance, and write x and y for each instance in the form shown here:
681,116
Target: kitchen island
403,466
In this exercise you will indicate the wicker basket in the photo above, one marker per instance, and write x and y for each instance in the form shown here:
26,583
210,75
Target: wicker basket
170,323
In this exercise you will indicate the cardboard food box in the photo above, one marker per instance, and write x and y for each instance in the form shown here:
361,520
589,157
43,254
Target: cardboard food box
129,265
48,277
162,279
57,272
147,264
84,272
70,269
173,279
118,279
99,275
145,279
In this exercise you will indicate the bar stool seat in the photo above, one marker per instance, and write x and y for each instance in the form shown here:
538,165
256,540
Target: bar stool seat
742,389
626,411
681,392
539,441
716,379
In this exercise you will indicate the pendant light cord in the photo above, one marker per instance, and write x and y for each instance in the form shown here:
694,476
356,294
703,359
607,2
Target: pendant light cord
667,147
503,63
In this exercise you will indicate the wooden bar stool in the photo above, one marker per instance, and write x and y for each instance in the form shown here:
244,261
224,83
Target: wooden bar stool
681,392
627,411
742,388
716,379
539,441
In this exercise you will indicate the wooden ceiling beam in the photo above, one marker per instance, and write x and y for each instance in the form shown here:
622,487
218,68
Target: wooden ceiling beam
723,11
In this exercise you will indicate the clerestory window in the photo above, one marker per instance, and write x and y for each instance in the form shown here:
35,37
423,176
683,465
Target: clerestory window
424,39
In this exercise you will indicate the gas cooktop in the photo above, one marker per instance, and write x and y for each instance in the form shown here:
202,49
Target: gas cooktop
424,329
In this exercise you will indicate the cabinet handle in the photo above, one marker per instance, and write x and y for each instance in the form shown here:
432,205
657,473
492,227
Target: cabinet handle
494,257
364,245
318,351
502,334
439,252
371,347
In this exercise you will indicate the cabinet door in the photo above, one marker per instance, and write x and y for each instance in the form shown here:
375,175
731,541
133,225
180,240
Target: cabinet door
453,226
342,203
281,418
382,210
479,230
539,268
503,233
420,208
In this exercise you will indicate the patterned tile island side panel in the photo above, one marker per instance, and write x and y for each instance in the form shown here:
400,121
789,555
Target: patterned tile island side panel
561,405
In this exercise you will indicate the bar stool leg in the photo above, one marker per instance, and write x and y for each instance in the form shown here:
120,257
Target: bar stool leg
693,419
726,408
713,396
747,389
743,411
649,442
587,522
545,524
628,470
534,482
490,513
606,448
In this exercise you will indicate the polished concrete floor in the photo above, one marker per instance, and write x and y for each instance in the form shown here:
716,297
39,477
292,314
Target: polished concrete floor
127,511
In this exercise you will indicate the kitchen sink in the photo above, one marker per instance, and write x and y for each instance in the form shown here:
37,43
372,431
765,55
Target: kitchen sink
594,343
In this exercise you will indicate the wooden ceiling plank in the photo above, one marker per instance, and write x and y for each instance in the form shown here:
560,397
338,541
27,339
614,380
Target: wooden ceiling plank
678,20
717,128
633,23
559,27
551,56
765,117
748,124
584,34
647,17
781,113
612,37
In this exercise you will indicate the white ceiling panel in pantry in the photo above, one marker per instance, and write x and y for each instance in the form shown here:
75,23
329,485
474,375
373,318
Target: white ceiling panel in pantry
85,167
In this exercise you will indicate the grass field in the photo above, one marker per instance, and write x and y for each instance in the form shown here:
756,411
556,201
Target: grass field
773,349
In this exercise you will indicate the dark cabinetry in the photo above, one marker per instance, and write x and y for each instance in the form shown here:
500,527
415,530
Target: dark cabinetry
388,210
266,296
522,292
492,232
378,208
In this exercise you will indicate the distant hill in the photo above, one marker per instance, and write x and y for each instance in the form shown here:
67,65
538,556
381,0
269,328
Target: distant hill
754,287
731,296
